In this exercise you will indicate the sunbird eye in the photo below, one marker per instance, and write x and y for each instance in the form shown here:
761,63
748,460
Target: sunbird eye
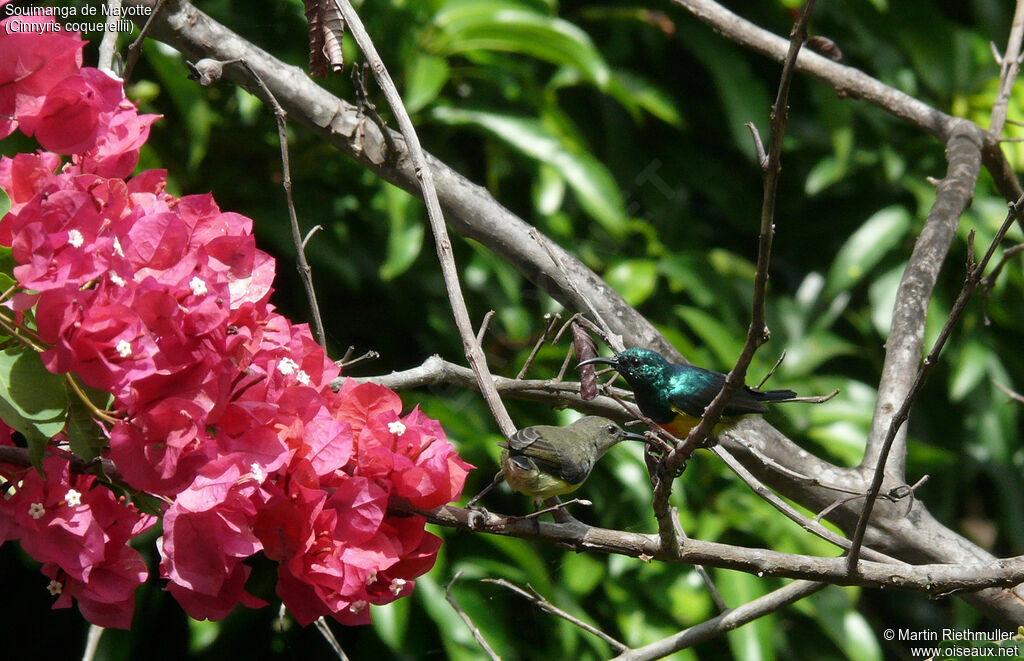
611,429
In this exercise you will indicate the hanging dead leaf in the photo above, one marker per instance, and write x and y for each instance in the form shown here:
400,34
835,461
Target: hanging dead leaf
585,349
326,27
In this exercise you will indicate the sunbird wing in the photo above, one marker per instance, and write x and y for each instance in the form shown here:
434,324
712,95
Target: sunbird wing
693,388
550,457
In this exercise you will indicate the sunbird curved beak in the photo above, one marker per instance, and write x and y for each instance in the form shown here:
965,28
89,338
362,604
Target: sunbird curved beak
600,360
630,436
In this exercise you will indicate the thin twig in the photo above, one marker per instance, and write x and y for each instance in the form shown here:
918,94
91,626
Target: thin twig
1012,394
367,108
108,44
771,372
812,526
970,284
565,365
558,506
1009,66
483,326
725,622
796,476
92,642
613,340
477,360
757,333
309,234
135,48
551,320
929,578
325,631
345,363
305,272
465,618
540,602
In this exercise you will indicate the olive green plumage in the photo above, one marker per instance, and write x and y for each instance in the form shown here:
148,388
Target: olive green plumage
547,460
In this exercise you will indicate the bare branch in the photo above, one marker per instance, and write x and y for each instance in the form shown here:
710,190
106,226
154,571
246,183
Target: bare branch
328,635
1009,65
540,602
92,642
108,43
811,526
483,326
465,618
305,272
757,333
475,354
575,535
435,371
904,345
135,48
1012,394
970,284
550,321
475,214
725,622
851,82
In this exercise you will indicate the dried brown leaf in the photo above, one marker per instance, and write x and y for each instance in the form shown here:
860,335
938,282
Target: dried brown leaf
326,27
585,349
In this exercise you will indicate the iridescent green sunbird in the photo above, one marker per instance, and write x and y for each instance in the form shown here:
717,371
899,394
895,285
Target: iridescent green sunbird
674,396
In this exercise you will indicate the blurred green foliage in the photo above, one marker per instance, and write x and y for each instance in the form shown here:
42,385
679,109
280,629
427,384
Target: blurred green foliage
618,129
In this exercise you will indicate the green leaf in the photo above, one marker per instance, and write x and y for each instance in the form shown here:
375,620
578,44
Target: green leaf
186,96
581,573
634,279
32,400
866,247
7,265
803,357
743,96
548,190
508,27
882,295
405,235
84,433
426,76
717,336
391,621
823,174
972,365
591,182
635,92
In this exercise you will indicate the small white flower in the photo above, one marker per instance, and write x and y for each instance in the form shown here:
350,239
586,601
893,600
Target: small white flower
116,279
117,248
397,585
257,472
75,238
357,606
396,427
55,588
73,498
197,286
287,366
372,578
124,348
302,377
36,511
